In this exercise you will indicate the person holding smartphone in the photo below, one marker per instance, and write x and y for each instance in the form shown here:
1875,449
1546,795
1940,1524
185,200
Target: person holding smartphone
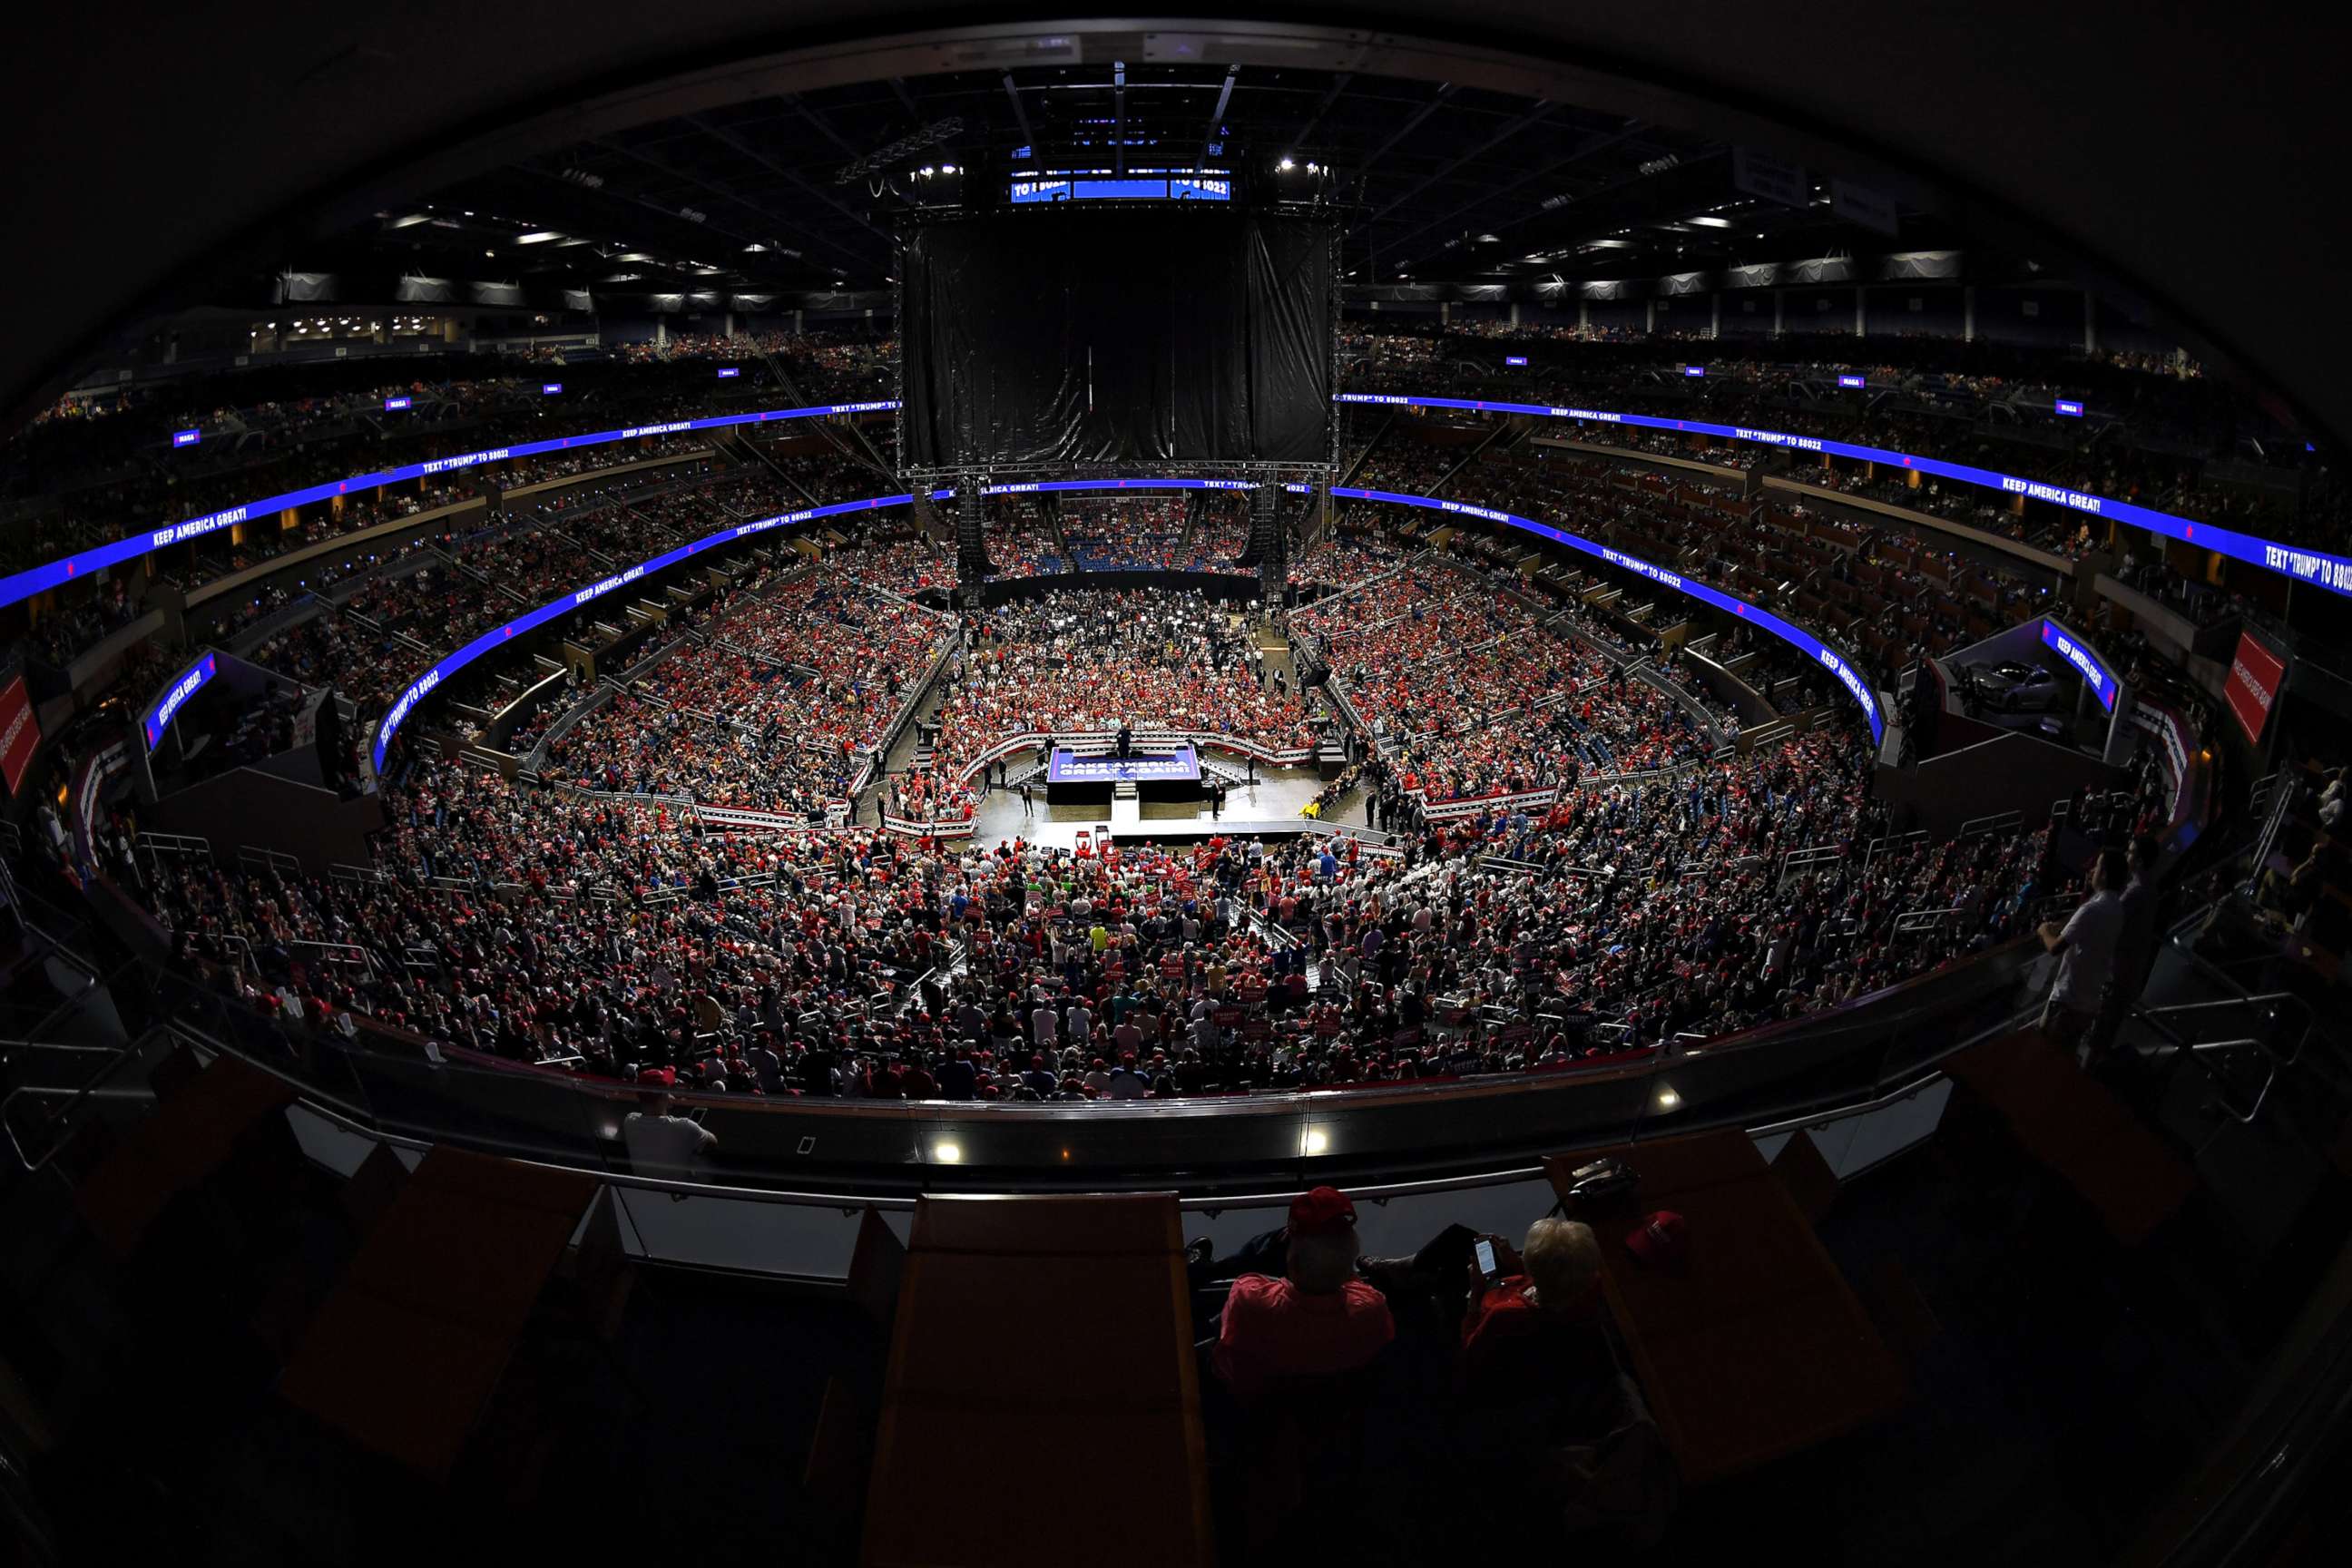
1535,1316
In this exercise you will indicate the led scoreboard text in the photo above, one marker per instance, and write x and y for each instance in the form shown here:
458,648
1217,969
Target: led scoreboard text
1185,188
2078,654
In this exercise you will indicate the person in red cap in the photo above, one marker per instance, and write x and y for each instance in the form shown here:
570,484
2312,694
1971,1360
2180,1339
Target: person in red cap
1318,1319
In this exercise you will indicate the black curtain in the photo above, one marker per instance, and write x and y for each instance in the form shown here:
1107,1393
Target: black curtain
1116,335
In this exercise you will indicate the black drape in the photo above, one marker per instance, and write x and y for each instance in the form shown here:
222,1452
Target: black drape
1117,335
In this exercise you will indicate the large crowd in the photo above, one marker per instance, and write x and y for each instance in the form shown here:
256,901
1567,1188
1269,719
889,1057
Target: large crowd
1472,691
1082,661
617,937
774,708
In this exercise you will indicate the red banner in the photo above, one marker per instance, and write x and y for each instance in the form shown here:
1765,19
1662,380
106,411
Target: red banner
2254,674
20,733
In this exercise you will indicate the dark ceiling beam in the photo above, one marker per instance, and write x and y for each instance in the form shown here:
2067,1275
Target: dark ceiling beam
782,224
1338,85
1633,209
1020,115
1445,92
907,98
1118,117
1535,115
1591,145
727,138
1216,115
824,128
600,248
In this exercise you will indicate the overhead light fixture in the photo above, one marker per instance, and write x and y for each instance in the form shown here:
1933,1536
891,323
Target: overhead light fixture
1284,164
1710,222
541,238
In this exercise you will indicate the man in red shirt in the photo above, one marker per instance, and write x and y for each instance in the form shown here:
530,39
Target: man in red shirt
1319,1319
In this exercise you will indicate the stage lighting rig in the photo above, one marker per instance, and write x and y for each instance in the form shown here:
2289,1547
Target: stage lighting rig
897,153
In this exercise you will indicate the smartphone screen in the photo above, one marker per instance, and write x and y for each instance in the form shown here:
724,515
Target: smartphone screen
1486,1257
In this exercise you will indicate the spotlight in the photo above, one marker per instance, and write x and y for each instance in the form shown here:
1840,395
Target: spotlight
947,1154
1285,164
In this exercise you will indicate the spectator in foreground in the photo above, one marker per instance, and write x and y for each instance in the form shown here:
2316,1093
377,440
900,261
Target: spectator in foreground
2085,946
1318,1319
2135,946
1537,1327
661,1143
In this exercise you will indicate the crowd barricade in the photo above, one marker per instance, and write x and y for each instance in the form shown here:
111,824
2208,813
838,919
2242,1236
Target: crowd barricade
1368,841
1522,800
1093,742
836,814
913,828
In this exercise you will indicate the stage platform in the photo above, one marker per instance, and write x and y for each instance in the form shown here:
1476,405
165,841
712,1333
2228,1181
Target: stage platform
1080,778
1270,807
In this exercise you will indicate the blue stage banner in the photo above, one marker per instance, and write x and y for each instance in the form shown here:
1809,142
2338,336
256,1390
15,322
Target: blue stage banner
499,636
1066,766
189,681
2333,572
1856,686
41,579
2086,661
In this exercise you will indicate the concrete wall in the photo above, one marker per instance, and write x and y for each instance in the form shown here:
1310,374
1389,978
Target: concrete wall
246,806
2006,773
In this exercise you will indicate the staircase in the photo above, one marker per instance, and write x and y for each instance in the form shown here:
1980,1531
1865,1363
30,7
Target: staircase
1503,434
742,441
1052,508
1370,447
845,439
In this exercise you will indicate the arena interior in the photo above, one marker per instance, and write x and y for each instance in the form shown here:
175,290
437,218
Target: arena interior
821,786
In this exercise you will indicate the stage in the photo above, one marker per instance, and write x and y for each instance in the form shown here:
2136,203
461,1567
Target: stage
1268,808
1075,778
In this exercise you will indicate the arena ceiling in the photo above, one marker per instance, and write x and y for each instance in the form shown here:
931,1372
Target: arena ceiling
2156,155
1438,181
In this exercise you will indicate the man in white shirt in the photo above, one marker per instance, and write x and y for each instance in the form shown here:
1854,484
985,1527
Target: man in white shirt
2085,946
1044,1024
662,1145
